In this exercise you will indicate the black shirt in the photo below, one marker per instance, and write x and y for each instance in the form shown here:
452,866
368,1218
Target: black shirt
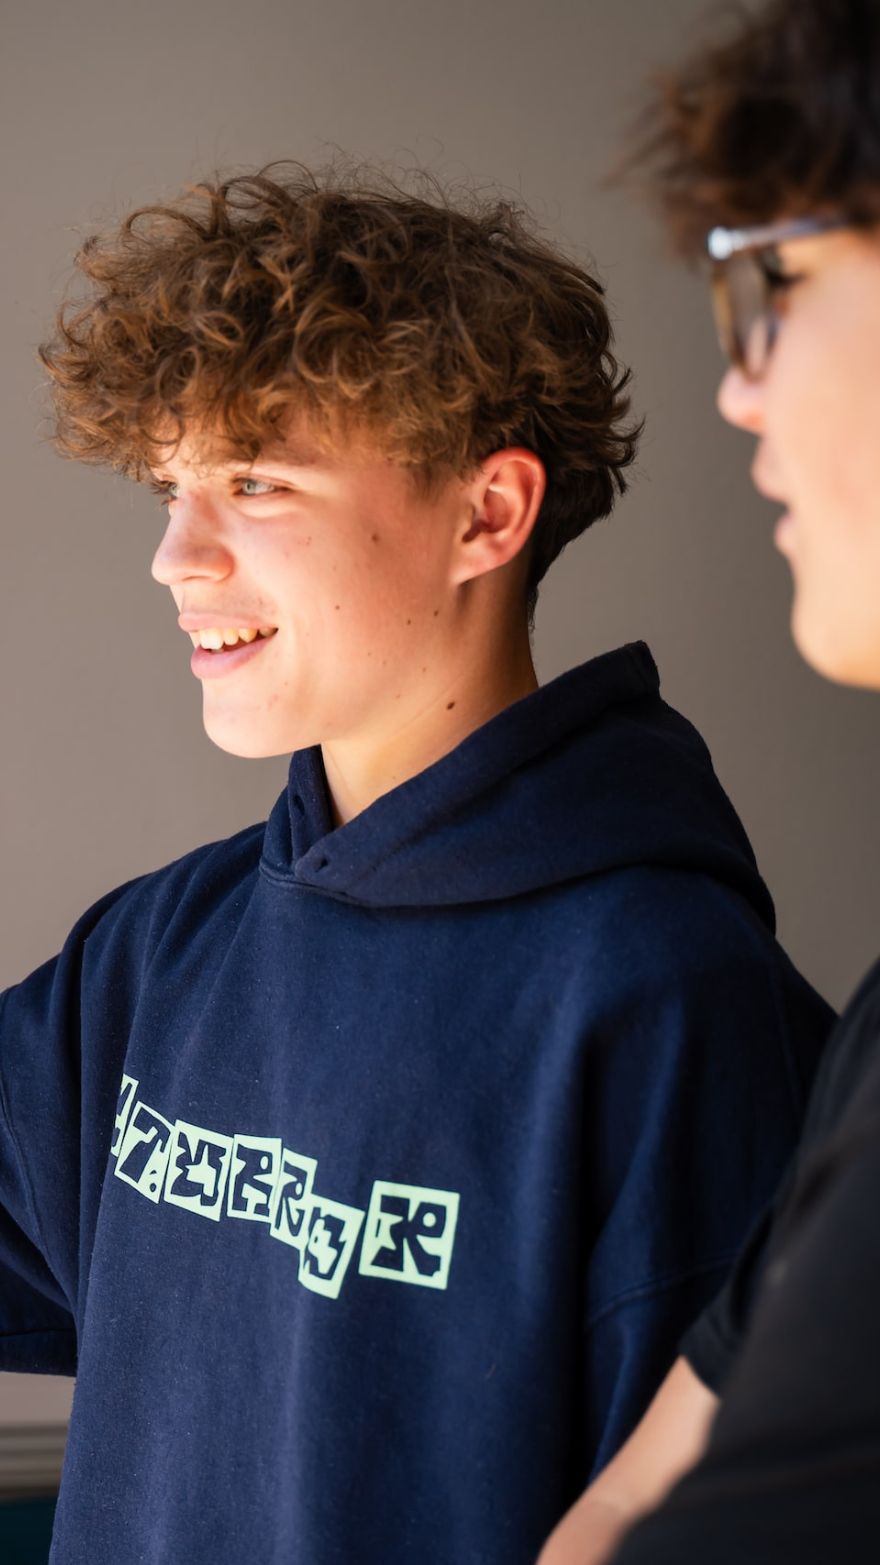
792,1471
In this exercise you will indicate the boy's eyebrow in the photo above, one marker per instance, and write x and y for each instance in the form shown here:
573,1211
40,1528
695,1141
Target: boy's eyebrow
287,455
292,453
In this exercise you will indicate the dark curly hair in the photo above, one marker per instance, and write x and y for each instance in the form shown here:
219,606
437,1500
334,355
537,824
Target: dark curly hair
777,117
442,331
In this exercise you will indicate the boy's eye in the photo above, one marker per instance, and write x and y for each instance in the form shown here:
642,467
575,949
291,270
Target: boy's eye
780,281
162,489
266,486
775,275
166,489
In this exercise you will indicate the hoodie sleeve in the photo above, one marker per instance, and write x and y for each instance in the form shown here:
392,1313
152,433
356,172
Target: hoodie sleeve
38,1044
36,1326
696,1089
64,1034
41,1179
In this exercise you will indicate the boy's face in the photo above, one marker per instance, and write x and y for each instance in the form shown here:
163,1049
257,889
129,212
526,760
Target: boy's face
347,566
816,411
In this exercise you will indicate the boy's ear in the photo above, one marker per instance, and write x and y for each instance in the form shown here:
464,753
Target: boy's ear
504,498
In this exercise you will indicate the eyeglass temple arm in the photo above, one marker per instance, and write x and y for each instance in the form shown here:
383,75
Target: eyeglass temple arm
722,243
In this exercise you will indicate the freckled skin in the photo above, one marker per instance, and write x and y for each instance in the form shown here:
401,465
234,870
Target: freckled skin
278,557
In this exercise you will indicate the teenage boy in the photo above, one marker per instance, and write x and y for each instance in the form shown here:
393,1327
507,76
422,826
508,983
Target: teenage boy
368,1165
767,148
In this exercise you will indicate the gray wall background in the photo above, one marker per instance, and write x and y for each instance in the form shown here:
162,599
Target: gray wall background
106,771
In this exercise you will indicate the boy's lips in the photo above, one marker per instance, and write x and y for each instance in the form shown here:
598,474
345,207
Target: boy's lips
763,483
212,665
221,617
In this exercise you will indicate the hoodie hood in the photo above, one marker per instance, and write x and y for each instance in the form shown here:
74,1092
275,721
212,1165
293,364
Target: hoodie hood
591,773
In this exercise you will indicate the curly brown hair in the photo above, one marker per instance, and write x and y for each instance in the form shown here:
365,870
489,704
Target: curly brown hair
779,116
442,332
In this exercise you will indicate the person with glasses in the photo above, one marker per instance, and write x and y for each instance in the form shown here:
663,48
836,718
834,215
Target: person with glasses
763,152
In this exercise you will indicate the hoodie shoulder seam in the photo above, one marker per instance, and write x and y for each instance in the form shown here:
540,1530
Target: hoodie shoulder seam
663,1283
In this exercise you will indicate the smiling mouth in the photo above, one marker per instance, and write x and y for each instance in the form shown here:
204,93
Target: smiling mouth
216,640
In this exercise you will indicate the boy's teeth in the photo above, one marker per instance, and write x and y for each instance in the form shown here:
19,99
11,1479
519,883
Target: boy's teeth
215,639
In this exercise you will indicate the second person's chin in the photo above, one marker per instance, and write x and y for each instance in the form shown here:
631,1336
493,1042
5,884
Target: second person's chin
831,649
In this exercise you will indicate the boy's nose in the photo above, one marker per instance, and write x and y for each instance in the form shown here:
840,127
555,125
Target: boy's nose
741,401
191,546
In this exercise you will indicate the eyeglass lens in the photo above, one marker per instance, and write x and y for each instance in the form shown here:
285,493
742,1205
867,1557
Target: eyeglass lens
743,311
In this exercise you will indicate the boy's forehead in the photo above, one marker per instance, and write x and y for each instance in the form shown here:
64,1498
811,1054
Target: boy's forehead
203,457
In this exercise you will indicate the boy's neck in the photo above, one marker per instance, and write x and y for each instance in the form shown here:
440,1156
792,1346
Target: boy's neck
360,769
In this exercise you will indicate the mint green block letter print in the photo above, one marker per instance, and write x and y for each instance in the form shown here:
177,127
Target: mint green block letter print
409,1234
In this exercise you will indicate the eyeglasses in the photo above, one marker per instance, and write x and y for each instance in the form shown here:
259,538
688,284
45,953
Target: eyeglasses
747,283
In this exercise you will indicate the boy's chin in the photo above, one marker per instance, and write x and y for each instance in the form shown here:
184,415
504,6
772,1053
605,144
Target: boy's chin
249,742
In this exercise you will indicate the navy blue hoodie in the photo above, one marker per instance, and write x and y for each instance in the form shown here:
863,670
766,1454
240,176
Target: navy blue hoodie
367,1176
